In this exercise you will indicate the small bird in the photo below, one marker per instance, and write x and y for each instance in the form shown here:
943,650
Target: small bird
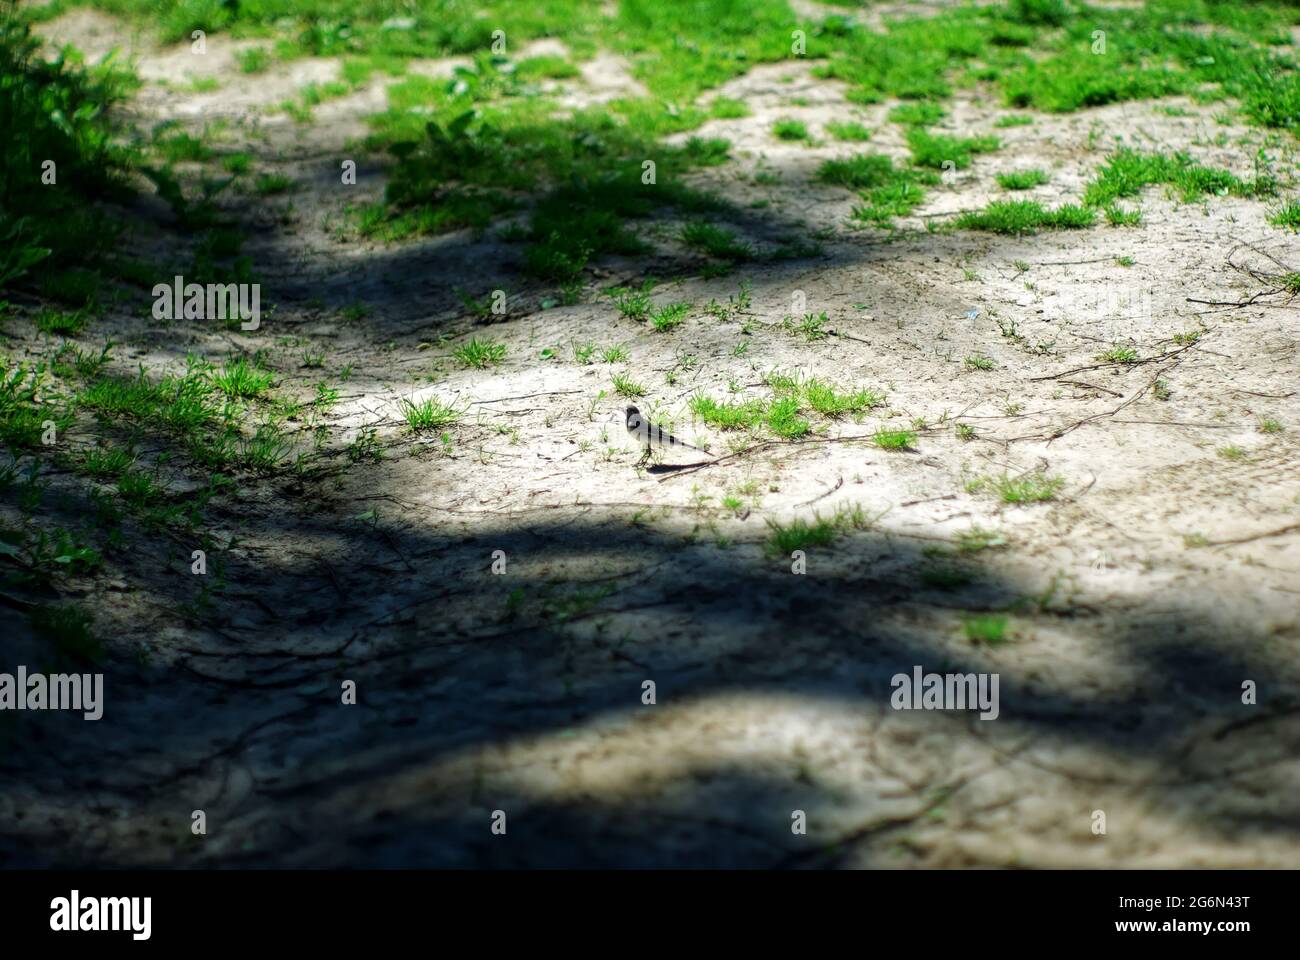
651,435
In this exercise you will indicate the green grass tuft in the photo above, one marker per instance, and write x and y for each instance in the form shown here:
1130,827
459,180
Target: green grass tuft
480,354
895,439
625,386
988,629
715,241
935,149
1127,171
728,416
1018,217
1022,179
790,130
59,322
428,414
1031,488
669,316
849,131
239,378
1287,216
923,113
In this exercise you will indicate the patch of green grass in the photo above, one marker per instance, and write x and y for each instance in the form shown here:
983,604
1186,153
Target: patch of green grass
299,110
106,463
783,384
682,49
987,629
883,204
849,131
59,121
181,147
1118,354
790,130
59,322
1022,179
1127,171
1117,216
355,312
1269,425
67,628
615,354
633,304
793,395
625,386
139,489
895,439
238,163
1076,79
546,67
977,539
1014,120
887,191
239,378
565,606
1018,217
480,354
710,152
455,209
669,316
202,408
428,414
181,403
270,184
265,450
811,326
911,59
365,447
935,149
978,362
799,534
47,554
727,108
74,286
1288,215
1232,452
460,166
253,60
1040,13
923,113
783,418
862,172
829,401
1030,488
725,415
715,241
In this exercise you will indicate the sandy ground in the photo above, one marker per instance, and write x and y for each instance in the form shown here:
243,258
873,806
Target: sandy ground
1162,577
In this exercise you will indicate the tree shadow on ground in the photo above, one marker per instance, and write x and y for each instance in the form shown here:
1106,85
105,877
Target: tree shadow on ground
246,722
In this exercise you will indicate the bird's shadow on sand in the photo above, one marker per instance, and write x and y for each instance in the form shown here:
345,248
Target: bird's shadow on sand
659,468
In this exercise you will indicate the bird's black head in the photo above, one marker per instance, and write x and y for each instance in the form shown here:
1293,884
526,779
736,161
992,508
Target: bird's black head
633,416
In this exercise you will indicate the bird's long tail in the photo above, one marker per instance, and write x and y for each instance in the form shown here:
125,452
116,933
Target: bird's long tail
655,435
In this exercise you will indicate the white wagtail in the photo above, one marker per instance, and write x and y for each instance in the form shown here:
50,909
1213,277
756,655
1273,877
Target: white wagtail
651,435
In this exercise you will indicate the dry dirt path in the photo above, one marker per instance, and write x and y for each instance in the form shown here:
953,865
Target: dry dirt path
1163,576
